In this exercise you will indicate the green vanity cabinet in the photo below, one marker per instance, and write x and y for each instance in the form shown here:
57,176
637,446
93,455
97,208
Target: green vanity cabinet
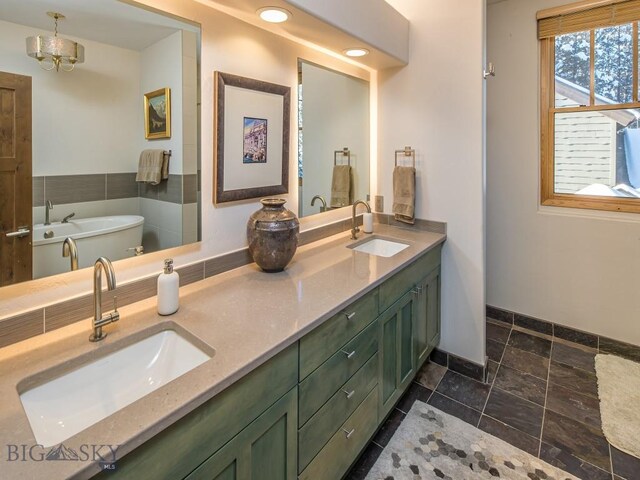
397,360
427,316
264,450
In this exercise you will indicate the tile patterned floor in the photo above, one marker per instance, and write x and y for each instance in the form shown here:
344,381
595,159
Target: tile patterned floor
541,397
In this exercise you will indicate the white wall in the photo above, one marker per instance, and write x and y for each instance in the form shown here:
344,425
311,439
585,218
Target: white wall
575,268
68,137
435,104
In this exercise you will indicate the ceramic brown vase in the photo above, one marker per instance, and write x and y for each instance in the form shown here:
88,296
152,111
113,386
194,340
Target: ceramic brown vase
272,233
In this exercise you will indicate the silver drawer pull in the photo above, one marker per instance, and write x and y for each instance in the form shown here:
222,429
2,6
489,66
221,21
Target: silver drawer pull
349,355
349,394
21,232
349,432
350,315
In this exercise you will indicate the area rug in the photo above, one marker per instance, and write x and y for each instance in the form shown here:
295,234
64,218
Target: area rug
619,392
430,444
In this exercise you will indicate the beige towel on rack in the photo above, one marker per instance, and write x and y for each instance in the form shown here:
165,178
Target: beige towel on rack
153,167
341,186
404,194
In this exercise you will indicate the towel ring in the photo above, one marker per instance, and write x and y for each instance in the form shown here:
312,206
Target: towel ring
345,152
407,152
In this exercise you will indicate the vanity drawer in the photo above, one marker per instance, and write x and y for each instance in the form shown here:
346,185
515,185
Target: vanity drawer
319,429
323,342
320,386
341,451
403,281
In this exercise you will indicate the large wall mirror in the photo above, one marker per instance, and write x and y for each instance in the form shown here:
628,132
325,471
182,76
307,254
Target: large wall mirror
333,139
88,134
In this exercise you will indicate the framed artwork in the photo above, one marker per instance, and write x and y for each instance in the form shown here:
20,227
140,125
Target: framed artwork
252,138
157,114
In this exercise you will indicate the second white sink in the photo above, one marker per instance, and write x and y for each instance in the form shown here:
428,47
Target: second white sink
380,247
66,405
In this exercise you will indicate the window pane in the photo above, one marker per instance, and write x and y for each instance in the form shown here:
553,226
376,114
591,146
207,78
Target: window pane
572,65
596,155
614,64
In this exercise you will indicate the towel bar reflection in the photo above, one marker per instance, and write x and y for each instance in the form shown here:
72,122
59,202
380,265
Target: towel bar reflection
407,152
345,152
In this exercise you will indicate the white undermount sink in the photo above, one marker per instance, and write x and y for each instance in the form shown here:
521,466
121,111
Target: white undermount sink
68,404
381,247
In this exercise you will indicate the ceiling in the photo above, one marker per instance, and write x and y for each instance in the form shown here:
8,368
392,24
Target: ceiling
95,20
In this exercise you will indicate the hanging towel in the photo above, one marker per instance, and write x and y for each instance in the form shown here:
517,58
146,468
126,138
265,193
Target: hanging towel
153,167
341,186
404,194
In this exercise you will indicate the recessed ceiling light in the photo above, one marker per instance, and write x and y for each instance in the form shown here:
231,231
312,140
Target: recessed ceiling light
274,14
356,52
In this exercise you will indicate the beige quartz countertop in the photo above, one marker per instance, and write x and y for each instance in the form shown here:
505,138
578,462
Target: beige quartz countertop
246,315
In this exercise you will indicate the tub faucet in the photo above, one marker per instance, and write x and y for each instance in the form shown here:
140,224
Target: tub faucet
70,249
323,208
48,206
99,321
354,227
66,219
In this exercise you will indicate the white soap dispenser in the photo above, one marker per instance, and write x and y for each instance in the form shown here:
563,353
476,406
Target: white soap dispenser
168,288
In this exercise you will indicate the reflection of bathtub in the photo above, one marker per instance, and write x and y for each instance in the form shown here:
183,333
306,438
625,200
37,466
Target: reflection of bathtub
95,237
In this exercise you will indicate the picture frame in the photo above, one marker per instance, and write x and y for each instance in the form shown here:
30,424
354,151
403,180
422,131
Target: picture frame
251,125
157,114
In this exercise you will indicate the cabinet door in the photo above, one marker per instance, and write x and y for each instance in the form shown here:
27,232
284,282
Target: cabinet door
427,316
397,362
264,450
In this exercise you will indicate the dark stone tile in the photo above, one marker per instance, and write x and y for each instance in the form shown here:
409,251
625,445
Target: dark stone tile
492,369
526,362
495,350
367,460
534,324
121,185
497,333
319,233
573,379
61,189
575,336
149,191
575,466
583,408
454,408
170,190
227,262
510,435
68,312
577,439
191,273
389,427
21,327
464,390
38,191
514,411
574,357
190,188
465,367
625,465
499,314
439,357
413,393
521,384
626,350
129,293
430,375
530,343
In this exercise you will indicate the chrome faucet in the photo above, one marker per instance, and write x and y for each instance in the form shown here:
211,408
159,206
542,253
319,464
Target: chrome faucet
354,227
98,320
66,219
70,249
323,208
48,206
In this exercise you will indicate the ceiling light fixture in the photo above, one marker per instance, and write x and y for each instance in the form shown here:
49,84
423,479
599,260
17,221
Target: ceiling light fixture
55,52
356,52
274,14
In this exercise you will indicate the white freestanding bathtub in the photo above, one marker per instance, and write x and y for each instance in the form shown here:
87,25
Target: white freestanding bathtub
95,237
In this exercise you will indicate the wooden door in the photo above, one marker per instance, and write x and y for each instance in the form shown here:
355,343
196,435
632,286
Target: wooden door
15,178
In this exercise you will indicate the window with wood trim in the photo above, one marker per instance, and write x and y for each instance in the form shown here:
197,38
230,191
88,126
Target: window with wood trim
590,110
